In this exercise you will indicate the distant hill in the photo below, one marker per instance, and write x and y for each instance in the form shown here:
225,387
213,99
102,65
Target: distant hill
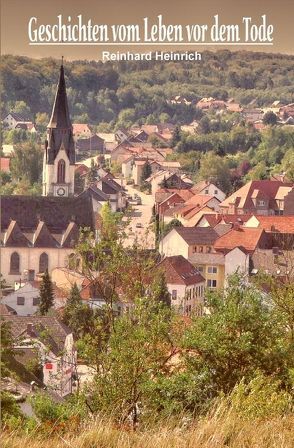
129,92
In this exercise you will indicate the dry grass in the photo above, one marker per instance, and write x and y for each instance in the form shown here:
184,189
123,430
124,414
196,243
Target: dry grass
208,433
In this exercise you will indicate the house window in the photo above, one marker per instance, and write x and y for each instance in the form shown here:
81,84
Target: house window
215,191
262,203
194,249
20,300
14,263
208,249
206,191
211,283
212,270
61,172
174,294
43,262
36,301
200,268
200,249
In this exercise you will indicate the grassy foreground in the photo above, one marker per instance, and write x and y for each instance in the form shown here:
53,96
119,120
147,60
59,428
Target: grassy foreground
215,432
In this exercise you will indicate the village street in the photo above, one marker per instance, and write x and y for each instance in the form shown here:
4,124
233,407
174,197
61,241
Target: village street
140,226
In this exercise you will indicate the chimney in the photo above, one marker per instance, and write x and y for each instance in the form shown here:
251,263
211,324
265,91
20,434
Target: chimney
236,226
30,329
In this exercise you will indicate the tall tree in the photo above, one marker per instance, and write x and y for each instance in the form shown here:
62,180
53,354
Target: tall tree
46,294
146,171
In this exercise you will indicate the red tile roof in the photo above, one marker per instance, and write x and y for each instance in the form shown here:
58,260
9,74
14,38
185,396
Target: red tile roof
5,164
243,237
243,196
179,271
282,224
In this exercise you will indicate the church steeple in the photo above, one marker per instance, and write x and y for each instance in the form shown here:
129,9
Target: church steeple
59,156
59,129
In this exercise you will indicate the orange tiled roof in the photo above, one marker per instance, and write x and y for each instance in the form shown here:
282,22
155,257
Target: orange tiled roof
282,224
243,237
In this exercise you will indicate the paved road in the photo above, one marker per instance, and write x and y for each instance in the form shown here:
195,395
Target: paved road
141,214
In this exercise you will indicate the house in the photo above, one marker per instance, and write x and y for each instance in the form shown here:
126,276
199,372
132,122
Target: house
94,145
243,237
47,340
185,285
121,135
287,111
7,150
272,224
5,164
65,278
98,197
29,127
168,198
81,130
262,197
26,299
232,106
211,103
186,213
197,245
209,188
214,219
178,99
42,238
252,115
167,179
12,119
155,166
115,192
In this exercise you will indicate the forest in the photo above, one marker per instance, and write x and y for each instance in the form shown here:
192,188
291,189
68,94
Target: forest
118,94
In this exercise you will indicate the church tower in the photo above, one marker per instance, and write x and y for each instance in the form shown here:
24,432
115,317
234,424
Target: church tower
59,155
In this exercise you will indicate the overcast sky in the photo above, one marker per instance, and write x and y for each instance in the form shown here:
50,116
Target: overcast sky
15,15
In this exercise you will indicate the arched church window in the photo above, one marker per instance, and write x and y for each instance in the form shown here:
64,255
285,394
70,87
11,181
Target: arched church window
61,171
43,262
14,263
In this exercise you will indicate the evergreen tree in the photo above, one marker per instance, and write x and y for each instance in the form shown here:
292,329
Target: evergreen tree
160,291
73,301
146,172
46,294
91,176
176,137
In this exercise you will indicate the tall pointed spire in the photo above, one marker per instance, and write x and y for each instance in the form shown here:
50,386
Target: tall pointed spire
59,129
60,114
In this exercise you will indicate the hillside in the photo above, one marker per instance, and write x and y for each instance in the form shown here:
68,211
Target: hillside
124,93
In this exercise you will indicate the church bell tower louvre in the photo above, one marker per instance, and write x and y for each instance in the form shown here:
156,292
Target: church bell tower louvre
59,154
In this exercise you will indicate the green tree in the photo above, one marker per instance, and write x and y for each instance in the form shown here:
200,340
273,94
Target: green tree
159,290
146,171
270,118
214,168
91,176
242,334
176,136
21,108
46,294
26,163
136,355
42,120
73,301
169,226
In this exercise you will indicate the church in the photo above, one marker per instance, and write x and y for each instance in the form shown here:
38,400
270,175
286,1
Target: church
39,233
